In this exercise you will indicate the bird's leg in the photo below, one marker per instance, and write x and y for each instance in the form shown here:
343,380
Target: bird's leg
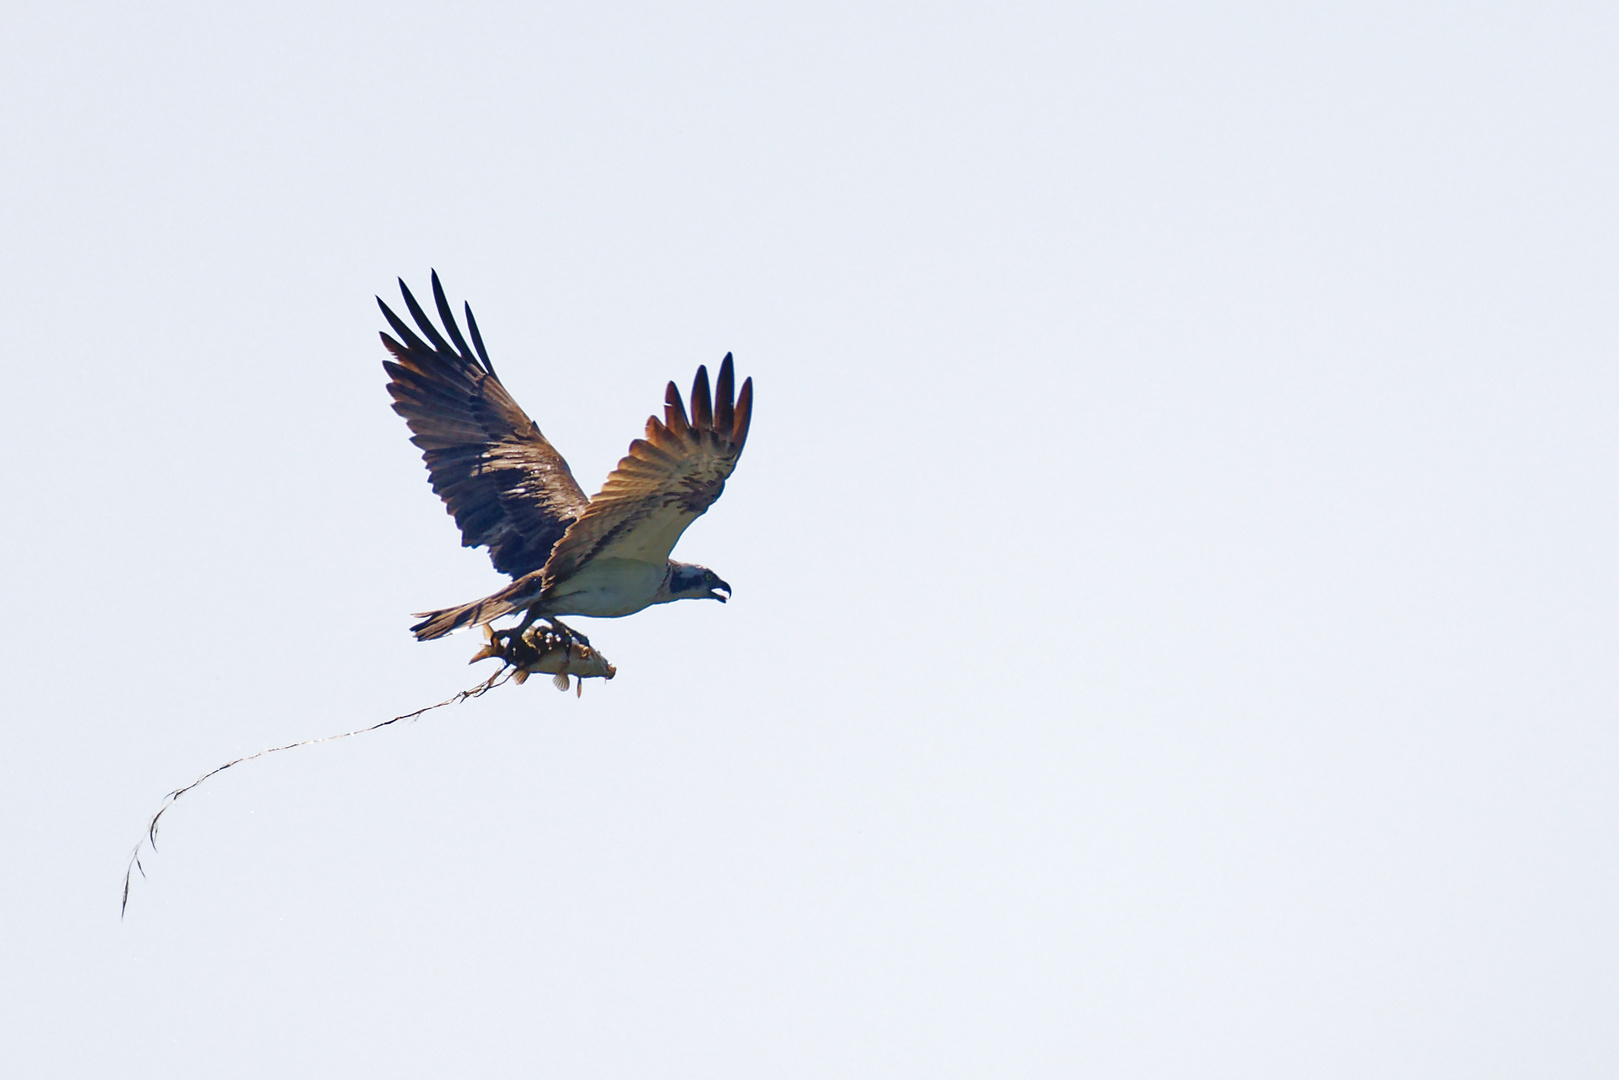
515,633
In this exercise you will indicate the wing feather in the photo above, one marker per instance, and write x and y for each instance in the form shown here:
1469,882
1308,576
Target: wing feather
674,412
447,317
666,482
702,412
506,486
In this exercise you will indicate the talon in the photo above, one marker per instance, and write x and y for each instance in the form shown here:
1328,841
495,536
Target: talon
565,631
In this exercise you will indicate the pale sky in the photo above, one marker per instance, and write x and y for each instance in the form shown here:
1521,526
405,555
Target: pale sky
1174,557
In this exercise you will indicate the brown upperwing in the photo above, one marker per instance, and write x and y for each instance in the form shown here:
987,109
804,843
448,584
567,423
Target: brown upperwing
506,486
666,482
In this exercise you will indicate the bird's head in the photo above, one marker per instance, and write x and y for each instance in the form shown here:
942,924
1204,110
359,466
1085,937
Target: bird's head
687,581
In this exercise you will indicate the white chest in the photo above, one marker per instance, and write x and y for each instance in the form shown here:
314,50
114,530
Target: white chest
607,588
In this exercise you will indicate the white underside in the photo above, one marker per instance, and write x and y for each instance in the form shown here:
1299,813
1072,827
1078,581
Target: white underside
607,589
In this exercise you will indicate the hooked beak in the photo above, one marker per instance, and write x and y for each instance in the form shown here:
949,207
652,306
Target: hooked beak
714,592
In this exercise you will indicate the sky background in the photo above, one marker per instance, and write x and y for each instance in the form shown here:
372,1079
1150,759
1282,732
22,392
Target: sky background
1174,557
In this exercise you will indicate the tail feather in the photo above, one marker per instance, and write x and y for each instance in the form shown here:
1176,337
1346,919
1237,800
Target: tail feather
435,624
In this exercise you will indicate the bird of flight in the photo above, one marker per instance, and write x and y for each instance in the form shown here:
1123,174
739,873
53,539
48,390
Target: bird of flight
510,491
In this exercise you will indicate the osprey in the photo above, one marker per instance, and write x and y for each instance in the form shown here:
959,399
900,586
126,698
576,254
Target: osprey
510,491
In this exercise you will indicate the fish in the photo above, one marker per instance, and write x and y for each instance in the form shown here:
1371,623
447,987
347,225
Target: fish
544,650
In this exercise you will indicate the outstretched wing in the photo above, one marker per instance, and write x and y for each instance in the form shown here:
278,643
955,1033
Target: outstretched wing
506,486
666,482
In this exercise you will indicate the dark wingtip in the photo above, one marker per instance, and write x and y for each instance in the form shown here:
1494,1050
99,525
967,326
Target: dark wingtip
744,413
674,410
477,340
447,316
423,321
725,398
405,334
702,408
392,346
